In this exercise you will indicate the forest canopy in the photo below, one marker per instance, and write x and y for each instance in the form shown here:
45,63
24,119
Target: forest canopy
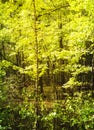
46,64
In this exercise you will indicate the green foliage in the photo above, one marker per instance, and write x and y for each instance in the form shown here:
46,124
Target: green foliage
65,39
75,113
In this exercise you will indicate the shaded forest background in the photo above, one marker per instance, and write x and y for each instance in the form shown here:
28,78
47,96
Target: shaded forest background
46,64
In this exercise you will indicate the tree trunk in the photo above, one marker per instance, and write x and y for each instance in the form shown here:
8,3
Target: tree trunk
37,72
92,89
41,85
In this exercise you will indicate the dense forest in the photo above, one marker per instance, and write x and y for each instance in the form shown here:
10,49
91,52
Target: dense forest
46,65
